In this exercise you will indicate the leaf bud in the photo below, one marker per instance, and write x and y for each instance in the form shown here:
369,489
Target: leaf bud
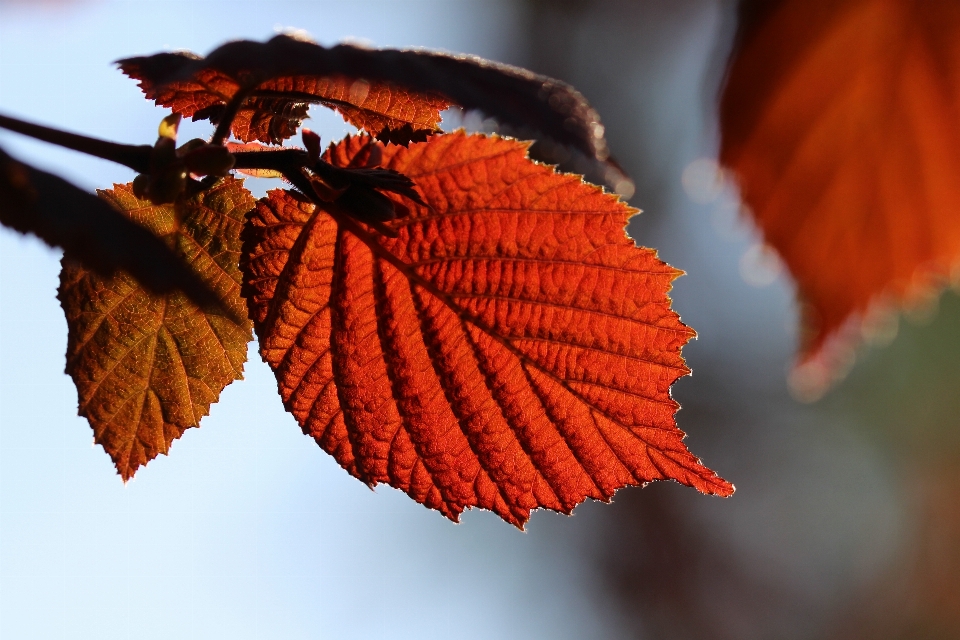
164,154
209,160
312,143
169,126
189,146
168,184
367,205
141,186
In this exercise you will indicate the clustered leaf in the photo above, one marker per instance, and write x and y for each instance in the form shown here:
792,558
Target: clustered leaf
90,231
280,103
443,314
148,366
509,349
395,95
841,120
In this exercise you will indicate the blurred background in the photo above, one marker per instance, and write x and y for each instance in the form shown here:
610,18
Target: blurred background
846,520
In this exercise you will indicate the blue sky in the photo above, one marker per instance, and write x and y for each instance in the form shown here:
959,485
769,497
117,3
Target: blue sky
247,530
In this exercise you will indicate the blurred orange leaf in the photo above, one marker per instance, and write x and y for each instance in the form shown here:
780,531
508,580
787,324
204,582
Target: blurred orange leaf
841,120
148,366
511,348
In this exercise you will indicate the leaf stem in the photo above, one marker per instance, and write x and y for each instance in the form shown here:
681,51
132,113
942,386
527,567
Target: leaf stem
298,180
229,114
283,160
136,157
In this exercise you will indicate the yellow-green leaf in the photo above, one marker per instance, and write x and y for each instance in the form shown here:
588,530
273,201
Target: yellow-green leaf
147,367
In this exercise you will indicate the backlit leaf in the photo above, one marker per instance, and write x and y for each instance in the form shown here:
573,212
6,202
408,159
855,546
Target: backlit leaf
148,366
841,120
91,231
384,109
394,95
510,348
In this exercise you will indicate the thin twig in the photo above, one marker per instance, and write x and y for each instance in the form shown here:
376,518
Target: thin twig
280,160
229,114
136,157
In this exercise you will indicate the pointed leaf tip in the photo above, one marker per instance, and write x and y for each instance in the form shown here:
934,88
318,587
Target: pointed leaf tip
395,95
510,349
148,366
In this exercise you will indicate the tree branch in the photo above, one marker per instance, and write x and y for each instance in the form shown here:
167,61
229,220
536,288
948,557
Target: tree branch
136,157
229,114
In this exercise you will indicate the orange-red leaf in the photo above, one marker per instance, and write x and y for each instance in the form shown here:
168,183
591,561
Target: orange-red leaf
510,349
395,95
148,366
841,120
384,109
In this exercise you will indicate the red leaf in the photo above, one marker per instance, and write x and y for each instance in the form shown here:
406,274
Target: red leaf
382,108
841,120
510,349
395,95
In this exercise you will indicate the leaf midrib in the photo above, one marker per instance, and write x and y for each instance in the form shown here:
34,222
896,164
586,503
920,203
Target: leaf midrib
345,221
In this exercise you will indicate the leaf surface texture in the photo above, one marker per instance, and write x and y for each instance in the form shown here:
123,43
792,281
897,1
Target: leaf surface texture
393,94
510,349
148,366
382,108
90,231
